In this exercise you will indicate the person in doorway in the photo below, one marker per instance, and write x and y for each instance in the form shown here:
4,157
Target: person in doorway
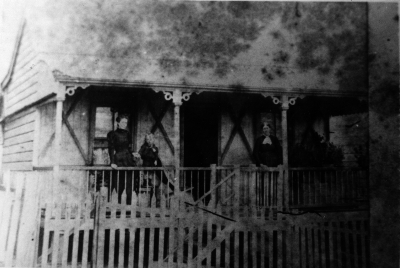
149,154
121,155
267,149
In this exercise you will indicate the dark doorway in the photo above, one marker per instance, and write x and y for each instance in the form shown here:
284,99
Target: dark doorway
200,142
201,130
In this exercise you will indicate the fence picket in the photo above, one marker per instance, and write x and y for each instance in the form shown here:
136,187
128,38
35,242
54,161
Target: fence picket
121,247
100,233
161,247
111,249
64,252
76,236
56,237
218,228
151,246
45,245
190,247
171,246
321,234
255,249
200,233
15,217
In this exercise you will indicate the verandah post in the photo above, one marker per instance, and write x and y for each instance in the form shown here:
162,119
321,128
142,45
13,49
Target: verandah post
177,98
58,133
285,171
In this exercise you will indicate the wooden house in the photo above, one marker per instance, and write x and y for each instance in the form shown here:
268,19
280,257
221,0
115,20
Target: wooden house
201,76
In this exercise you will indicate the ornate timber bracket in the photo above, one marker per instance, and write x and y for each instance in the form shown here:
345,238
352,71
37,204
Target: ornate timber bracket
285,101
64,90
177,96
70,90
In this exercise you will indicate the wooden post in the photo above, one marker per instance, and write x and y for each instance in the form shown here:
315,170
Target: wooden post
214,195
177,142
58,133
283,197
91,136
237,192
285,106
177,98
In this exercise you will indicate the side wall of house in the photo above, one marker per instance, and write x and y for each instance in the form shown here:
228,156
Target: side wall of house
31,79
19,140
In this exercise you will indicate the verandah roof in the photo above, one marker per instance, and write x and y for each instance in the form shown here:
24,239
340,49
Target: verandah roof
308,48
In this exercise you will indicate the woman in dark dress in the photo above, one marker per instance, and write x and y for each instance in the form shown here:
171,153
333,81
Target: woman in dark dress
121,155
267,149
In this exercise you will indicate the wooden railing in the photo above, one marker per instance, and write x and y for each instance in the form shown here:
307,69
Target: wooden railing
329,187
233,186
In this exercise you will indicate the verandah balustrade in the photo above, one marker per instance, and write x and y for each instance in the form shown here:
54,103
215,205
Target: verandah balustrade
226,186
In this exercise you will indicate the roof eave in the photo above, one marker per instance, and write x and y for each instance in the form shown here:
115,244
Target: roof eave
17,44
156,86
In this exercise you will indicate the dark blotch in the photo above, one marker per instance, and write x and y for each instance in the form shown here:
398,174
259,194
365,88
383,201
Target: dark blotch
384,99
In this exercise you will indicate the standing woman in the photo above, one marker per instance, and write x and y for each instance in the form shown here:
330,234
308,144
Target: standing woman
121,155
267,149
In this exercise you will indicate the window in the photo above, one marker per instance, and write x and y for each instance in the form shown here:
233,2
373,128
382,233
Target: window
104,124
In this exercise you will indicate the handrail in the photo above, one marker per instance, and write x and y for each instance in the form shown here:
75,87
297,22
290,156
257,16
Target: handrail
326,168
244,168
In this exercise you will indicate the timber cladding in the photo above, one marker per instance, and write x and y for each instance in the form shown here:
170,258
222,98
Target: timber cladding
18,140
23,88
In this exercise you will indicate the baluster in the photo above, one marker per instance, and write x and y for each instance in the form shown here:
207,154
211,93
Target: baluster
118,184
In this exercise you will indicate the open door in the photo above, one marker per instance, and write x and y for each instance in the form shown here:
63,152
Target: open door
201,131
200,141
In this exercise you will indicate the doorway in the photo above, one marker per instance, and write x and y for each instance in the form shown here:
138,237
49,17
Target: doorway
201,130
200,123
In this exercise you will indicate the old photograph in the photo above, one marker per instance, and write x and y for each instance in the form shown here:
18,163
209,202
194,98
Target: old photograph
199,134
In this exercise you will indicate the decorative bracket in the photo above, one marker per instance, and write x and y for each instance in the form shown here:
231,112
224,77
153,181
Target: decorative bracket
285,101
177,96
70,90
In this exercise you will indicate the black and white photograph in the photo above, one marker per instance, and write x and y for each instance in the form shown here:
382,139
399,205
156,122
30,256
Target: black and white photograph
218,134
